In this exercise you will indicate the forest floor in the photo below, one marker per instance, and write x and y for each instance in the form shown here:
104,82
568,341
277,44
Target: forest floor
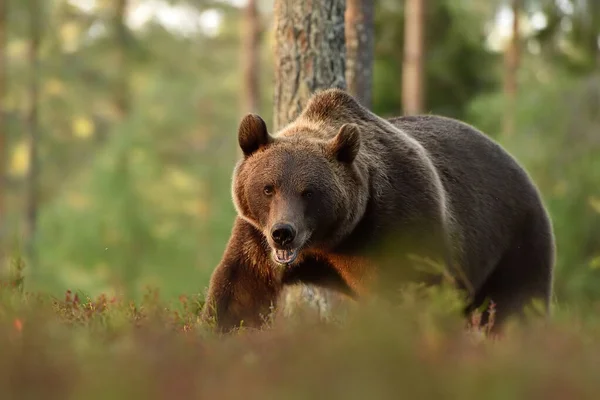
107,348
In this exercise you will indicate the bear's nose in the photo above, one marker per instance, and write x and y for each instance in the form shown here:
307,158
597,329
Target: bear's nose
283,234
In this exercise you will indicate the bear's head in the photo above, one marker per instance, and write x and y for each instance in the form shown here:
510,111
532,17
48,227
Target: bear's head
302,192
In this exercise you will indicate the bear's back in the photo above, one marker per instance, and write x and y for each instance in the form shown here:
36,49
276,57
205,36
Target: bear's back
488,192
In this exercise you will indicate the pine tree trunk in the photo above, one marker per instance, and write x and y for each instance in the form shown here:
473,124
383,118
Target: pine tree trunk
251,58
122,102
310,53
3,131
413,70
130,270
511,66
31,196
360,48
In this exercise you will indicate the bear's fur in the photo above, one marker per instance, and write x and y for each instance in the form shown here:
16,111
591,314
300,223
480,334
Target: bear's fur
366,202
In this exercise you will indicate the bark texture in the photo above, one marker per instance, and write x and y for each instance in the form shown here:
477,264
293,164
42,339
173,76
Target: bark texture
413,93
31,195
360,48
251,58
122,101
3,132
512,57
310,53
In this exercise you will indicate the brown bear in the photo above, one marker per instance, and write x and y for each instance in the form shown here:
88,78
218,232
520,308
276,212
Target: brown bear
343,199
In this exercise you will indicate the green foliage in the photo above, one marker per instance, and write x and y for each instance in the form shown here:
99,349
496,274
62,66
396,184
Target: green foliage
557,141
570,37
458,65
135,200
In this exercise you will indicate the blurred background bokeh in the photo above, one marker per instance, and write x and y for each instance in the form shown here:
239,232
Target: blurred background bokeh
118,124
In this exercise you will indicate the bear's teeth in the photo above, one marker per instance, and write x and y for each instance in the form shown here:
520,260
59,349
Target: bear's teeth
285,256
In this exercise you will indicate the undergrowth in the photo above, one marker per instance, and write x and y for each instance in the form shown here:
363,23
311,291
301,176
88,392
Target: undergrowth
111,348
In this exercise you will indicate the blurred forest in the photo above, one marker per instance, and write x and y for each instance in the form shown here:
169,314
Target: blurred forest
118,124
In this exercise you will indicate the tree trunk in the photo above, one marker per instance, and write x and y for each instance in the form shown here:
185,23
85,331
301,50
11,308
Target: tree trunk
130,270
122,102
413,93
3,131
251,58
360,48
511,66
310,53
31,196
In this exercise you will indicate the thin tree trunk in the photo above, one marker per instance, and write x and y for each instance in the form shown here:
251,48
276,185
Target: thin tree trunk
122,101
3,132
310,53
413,70
360,48
251,58
31,202
512,56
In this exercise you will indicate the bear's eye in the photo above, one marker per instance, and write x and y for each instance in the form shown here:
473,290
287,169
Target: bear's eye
269,190
307,194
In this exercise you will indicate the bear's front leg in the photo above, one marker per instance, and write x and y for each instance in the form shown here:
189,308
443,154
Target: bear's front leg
243,287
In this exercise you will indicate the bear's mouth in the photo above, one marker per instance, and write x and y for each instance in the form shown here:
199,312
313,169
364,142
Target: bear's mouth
285,257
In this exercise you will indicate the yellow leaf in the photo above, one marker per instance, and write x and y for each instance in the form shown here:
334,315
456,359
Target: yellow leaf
78,201
595,263
69,35
594,202
19,163
54,87
17,49
181,180
139,81
83,127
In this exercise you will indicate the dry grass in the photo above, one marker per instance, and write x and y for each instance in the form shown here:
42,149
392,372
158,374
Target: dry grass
103,348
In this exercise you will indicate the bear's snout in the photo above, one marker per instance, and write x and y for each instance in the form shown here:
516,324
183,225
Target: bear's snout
283,234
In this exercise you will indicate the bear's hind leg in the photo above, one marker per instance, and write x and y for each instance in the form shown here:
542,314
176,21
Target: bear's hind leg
523,275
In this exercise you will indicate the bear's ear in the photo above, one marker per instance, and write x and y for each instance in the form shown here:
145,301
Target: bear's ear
345,145
253,134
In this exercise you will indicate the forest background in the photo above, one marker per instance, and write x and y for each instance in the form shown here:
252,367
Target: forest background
118,123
